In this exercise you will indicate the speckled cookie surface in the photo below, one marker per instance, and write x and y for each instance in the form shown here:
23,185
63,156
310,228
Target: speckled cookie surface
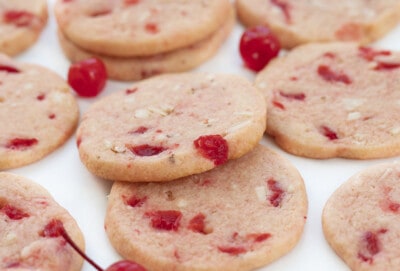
21,23
239,216
37,113
139,27
334,100
25,211
136,68
171,126
361,219
296,22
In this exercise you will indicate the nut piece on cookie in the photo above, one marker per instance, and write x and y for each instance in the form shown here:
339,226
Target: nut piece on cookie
171,126
239,216
27,212
334,100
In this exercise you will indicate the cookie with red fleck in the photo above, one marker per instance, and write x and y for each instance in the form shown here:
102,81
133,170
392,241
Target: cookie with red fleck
37,112
28,214
21,23
139,27
171,126
239,216
334,100
136,68
361,219
297,22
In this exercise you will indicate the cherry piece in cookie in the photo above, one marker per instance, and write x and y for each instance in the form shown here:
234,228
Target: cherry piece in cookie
213,147
87,77
258,46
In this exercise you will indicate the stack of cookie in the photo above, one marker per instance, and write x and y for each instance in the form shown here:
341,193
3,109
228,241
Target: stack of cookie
186,147
138,39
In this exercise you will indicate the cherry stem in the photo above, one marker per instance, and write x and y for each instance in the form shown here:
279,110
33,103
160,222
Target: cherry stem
79,251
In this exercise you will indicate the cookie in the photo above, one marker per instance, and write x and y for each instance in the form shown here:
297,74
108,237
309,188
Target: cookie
171,126
137,27
297,22
37,113
361,218
27,211
21,23
136,68
240,216
334,100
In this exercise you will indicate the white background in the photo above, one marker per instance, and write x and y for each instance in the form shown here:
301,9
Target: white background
85,196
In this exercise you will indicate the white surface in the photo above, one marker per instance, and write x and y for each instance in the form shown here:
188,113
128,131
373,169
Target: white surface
85,196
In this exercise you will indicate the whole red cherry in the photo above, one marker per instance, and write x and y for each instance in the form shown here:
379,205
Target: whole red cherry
87,77
258,45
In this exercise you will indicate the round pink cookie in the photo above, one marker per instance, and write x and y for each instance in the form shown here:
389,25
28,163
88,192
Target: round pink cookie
239,216
26,212
300,21
334,100
21,23
361,219
171,126
139,27
37,113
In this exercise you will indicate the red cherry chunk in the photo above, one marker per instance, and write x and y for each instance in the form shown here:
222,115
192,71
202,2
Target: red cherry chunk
152,28
165,220
293,96
333,76
197,224
258,46
131,2
384,66
370,245
139,130
13,213
277,192
232,250
19,18
125,265
53,229
21,143
213,147
369,53
134,201
146,150
259,237
8,69
329,133
278,105
87,77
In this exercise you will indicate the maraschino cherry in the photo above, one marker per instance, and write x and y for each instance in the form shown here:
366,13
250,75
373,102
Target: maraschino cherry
56,228
87,77
258,45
